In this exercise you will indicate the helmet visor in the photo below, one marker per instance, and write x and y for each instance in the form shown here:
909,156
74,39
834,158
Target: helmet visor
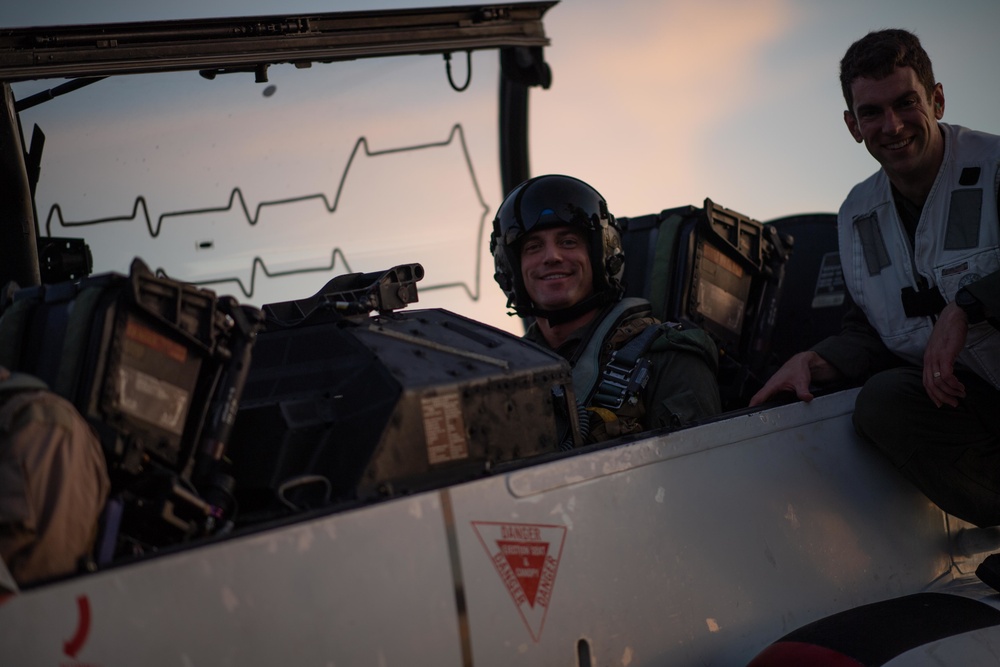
552,201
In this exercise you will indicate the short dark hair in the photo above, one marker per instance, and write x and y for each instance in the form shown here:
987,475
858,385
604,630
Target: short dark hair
878,54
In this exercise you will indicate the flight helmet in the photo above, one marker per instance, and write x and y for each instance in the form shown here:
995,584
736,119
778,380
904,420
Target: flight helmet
557,201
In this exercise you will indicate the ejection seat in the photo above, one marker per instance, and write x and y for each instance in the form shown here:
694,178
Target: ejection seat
762,291
156,366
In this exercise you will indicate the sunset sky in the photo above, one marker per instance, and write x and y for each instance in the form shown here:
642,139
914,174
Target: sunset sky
656,104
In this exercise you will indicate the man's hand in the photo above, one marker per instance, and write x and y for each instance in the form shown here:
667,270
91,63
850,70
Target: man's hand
796,375
946,341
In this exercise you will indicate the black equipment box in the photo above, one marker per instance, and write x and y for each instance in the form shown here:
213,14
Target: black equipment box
358,408
715,269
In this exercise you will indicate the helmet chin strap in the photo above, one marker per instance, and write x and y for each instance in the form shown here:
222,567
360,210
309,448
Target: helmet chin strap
563,315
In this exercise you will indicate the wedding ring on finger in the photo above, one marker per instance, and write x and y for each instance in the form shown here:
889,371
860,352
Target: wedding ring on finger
937,374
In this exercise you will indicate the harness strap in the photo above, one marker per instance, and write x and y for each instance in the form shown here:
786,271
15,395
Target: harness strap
627,372
586,363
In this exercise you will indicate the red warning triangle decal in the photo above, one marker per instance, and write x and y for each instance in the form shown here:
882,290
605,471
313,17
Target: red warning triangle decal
526,556
527,560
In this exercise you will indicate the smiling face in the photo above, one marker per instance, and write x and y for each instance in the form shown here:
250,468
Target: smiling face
555,267
897,121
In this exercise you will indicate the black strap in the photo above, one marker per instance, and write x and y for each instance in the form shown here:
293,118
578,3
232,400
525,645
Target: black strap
926,302
586,359
627,372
